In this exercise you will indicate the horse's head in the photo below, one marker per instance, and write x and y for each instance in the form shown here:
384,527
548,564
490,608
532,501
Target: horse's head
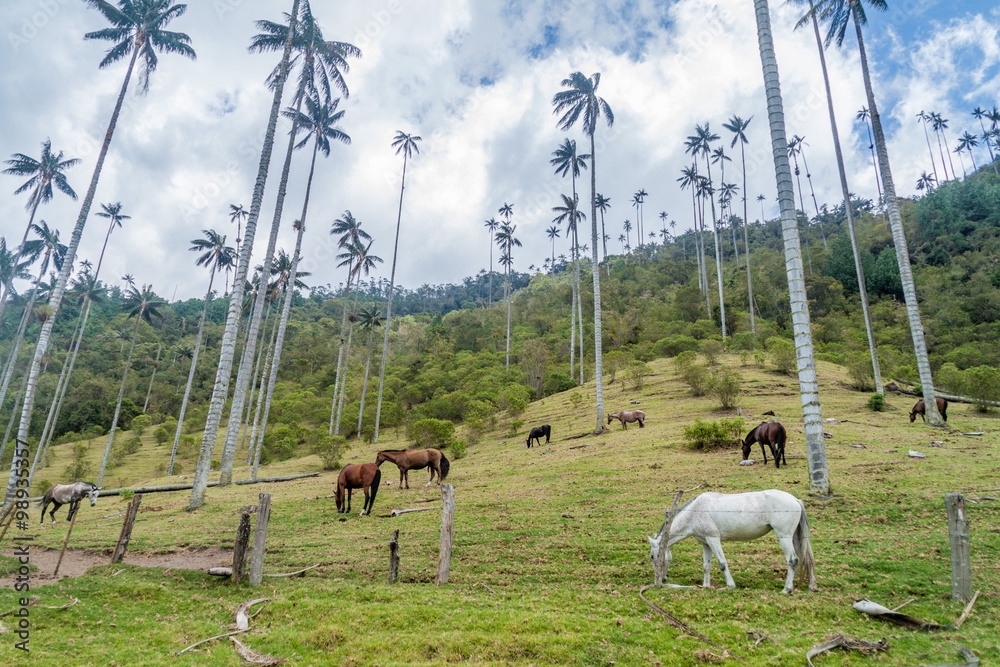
659,569
913,415
380,459
748,442
612,415
92,494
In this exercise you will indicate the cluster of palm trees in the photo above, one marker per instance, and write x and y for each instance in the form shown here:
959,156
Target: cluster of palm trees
966,142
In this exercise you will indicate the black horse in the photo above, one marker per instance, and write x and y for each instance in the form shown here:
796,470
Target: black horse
537,433
920,408
771,434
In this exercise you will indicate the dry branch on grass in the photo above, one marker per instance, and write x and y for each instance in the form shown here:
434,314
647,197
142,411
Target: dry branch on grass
242,623
878,611
252,657
418,509
843,641
681,625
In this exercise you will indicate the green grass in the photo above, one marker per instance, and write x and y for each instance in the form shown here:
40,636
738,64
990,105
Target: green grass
558,537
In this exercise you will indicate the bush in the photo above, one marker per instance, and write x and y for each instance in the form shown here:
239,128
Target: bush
186,448
80,468
876,402
457,448
782,353
725,384
160,435
859,369
614,361
634,373
982,384
436,433
140,423
711,348
714,435
329,448
514,428
694,375
514,399
674,345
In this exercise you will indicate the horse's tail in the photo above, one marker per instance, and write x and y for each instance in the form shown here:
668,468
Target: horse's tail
445,467
803,549
376,482
340,496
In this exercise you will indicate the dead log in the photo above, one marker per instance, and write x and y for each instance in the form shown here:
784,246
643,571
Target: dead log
297,573
240,548
419,509
252,657
187,487
843,641
951,398
242,615
260,539
394,557
220,571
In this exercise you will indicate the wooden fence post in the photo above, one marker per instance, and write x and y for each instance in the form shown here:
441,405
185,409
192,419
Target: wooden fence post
65,542
958,536
240,549
447,520
8,518
394,557
260,539
661,555
126,534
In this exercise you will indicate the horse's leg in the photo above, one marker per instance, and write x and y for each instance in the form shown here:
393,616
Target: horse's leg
716,546
364,509
73,504
45,504
401,471
788,546
706,562
348,510
55,505
642,423
763,451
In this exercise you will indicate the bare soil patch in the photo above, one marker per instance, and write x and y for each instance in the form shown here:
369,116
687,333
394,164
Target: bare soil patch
77,562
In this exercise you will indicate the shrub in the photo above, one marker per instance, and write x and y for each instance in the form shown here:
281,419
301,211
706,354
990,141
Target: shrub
693,374
140,423
859,370
714,435
711,348
782,353
436,433
575,399
614,361
982,384
329,448
725,384
876,402
132,445
186,448
514,428
674,345
79,468
161,435
634,373
514,399
480,418
457,449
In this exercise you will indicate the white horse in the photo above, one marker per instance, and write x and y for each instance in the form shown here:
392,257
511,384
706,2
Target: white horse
713,518
61,494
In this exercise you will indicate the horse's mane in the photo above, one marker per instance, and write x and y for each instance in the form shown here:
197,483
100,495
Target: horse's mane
392,451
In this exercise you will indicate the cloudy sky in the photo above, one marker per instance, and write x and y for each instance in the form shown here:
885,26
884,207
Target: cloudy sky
475,79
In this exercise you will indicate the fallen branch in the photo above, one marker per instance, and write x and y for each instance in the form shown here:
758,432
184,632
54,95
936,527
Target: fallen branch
842,641
65,606
680,624
252,657
981,498
592,444
951,398
117,573
221,571
877,610
965,614
242,619
322,497
294,574
228,634
973,433
486,587
31,603
904,604
971,660
187,487
696,487
419,509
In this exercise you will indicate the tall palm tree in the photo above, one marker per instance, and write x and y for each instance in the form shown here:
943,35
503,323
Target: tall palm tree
978,113
924,120
690,179
640,198
566,161
940,124
506,240
580,99
405,144
491,227
794,148
43,173
553,234
364,263
925,182
819,480
966,143
321,62
237,214
706,137
369,318
113,212
841,13
216,255
848,209
738,127
603,204
142,305
350,235
864,115
569,213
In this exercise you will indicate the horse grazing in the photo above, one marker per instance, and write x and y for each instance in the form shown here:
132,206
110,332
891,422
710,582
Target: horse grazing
629,416
61,494
537,433
407,460
771,434
919,409
364,476
713,518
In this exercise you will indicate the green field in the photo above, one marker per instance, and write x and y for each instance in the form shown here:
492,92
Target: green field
550,548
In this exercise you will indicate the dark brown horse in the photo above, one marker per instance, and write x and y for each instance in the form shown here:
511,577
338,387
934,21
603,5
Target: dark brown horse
365,476
537,433
407,460
771,434
629,416
919,409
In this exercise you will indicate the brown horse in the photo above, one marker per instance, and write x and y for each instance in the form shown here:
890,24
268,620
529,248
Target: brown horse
407,460
629,416
771,434
919,409
364,476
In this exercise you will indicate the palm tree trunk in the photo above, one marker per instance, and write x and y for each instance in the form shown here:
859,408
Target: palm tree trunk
152,377
899,240
507,296
862,287
489,303
347,359
746,244
579,307
388,305
928,138
572,315
819,479
258,372
118,405
944,166
255,437
228,345
805,221
364,388
15,349
598,351
340,350
191,372
718,256
13,416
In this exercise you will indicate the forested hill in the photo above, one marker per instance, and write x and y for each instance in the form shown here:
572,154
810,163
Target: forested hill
447,351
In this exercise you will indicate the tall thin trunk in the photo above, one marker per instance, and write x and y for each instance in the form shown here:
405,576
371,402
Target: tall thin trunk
17,258
572,310
258,370
812,191
191,371
899,240
805,221
819,479
228,345
13,415
15,349
579,302
489,303
121,395
871,147
256,435
388,305
152,377
929,150
347,359
598,351
718,255
862,287
944,166
947,152
507,295
364,388
340,349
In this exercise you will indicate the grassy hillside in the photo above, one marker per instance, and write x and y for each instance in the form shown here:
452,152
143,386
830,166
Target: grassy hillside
550,547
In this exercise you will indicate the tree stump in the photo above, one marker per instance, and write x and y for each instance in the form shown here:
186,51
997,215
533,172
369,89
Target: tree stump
394,557
241,547
260,539
126,534
447,520
958,537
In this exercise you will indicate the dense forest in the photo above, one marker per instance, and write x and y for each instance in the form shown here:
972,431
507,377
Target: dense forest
447,350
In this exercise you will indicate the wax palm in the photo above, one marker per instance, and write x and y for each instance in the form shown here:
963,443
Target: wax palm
507,241
979,113
370,318
640,198
405,145
143,305
966,143
705,138
566,161
925,119
690,179
553,234
238,214
350,236
738,126
12,267
925,182
940,124
603,204
491,227
113,212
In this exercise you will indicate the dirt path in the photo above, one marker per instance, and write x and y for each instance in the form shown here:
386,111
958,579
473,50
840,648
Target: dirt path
77,562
